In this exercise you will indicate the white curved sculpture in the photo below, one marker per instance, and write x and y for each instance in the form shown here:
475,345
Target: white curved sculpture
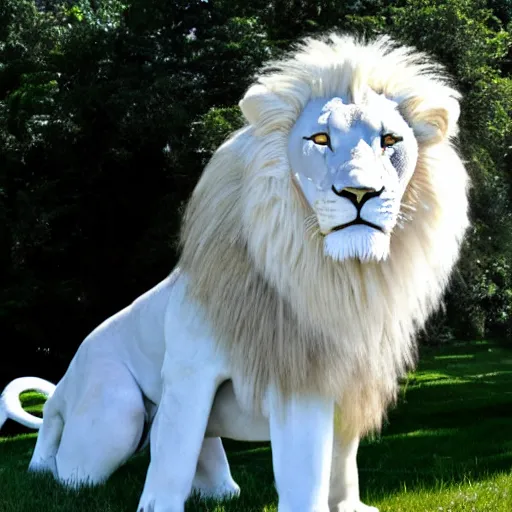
10,405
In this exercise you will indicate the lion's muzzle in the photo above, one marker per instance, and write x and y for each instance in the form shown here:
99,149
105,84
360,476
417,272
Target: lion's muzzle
358,196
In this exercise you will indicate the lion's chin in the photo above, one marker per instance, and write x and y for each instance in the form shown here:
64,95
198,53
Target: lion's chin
359,242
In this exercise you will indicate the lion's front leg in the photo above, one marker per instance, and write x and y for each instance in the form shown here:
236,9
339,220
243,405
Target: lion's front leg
177,435
301,434
344,491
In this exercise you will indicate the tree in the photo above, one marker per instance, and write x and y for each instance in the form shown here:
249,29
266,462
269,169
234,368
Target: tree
109,109
98,107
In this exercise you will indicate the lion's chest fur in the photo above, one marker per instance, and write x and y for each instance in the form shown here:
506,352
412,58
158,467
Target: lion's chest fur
329,340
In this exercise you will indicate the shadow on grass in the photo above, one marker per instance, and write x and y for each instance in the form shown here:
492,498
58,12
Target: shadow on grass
21,491
453,423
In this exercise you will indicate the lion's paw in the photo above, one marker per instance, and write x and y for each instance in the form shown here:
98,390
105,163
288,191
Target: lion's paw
353,506
227,490
149,502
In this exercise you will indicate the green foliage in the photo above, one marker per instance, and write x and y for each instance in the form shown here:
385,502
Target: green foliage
98,103
109,109
214,127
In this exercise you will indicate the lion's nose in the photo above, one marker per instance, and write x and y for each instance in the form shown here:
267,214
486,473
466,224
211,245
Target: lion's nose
357,195
359,192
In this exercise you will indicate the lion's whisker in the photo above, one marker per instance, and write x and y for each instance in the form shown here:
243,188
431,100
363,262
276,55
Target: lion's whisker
311,225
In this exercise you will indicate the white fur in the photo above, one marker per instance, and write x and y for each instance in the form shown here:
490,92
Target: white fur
191,373
302,433
197,377
354,159
359,242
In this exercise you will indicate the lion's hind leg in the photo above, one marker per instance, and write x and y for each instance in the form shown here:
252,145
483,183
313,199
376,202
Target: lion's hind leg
48,439
103,429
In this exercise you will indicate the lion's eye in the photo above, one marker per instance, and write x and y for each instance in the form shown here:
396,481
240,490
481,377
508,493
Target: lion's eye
322,139
387,140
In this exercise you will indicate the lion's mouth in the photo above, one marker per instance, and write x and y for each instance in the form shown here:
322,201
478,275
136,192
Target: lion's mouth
355,222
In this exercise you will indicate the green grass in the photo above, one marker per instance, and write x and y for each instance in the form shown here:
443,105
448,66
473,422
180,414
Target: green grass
446,448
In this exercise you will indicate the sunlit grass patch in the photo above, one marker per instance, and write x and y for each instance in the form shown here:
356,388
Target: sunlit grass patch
488,495
447,447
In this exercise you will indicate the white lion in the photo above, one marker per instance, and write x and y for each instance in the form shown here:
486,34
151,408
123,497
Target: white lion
316,243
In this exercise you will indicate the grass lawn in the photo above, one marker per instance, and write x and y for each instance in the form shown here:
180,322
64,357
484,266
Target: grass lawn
447,448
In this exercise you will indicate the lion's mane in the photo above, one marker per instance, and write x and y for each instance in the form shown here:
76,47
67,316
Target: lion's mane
287,314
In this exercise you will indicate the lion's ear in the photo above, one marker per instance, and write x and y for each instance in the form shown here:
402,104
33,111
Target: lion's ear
259,104
433,121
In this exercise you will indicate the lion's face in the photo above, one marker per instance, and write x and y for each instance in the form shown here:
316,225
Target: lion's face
352,163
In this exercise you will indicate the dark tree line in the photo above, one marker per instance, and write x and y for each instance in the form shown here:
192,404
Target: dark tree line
109,110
